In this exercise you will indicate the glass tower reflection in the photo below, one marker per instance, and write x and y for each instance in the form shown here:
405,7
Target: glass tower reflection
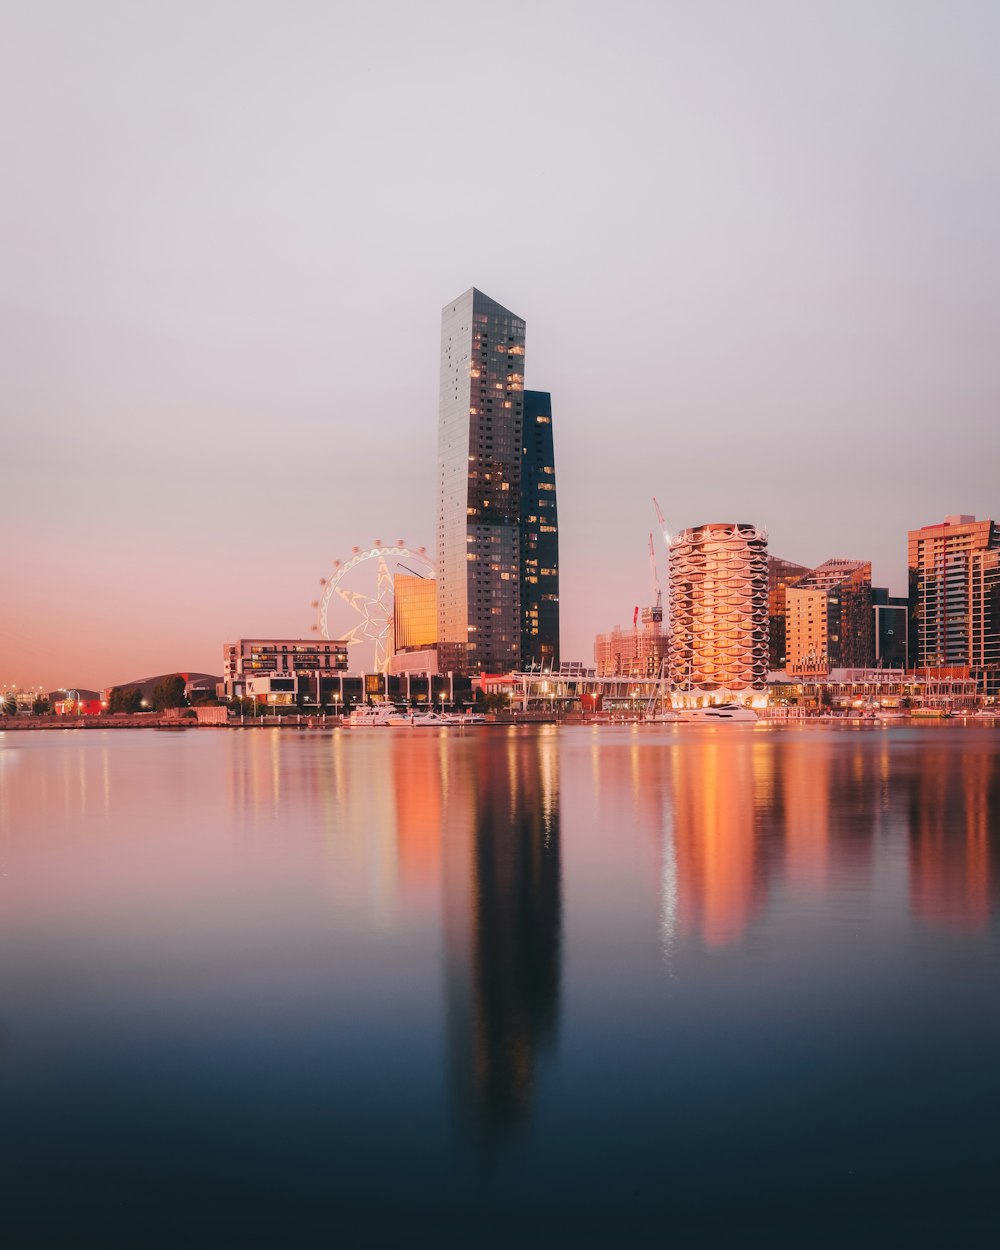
503,920
951,797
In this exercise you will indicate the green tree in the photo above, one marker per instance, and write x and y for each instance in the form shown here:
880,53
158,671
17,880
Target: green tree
132,699
124,699
169,692
40,707
494,701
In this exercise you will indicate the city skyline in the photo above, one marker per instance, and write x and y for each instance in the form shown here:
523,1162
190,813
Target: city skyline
779,223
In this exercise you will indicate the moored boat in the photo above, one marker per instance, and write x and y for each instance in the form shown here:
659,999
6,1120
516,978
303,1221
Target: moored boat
367,715
719,713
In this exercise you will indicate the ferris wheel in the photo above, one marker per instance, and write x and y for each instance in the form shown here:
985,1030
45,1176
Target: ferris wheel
357,601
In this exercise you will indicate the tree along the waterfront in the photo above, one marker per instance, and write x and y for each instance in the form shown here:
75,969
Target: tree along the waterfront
169,692
125,699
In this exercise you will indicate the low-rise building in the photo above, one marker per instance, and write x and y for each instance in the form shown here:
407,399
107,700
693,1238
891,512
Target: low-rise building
284,670
842,689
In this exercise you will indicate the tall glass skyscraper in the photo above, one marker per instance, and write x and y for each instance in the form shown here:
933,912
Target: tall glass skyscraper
539,537
480,449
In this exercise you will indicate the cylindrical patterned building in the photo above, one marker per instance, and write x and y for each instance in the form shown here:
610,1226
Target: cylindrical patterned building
718,613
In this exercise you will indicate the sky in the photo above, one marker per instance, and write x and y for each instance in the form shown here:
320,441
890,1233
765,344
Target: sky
756,245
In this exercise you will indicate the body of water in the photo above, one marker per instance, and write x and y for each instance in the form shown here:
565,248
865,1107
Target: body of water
530,986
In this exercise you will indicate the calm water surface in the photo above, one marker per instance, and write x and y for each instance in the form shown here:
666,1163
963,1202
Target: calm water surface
689,986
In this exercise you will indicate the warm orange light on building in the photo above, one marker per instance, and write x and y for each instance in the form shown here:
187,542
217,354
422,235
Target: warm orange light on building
714,787
414,612
949,857
718,610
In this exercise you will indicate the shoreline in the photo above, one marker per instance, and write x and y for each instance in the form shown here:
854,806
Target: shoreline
306,722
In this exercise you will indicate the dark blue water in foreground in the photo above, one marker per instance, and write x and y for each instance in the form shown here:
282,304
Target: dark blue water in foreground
668,986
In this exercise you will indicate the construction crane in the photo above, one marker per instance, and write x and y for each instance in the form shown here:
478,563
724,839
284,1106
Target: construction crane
663,523
657,614
666,539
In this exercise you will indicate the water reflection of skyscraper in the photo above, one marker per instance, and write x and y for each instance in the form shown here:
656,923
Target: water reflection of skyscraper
714,786
418,778
951,795
502,908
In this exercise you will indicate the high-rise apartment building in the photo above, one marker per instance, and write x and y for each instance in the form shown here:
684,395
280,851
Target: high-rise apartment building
780,575
539,574
829,619
718,611
940,563
955,597
497,532
984,619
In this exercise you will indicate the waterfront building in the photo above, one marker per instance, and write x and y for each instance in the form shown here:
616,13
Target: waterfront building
282,670
829,618
890,628
954,596
939,565
636,652
718,613
539,529
780,575
480,450
868,690
984,620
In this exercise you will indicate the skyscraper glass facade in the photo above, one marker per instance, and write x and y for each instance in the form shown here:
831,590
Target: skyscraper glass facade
414,613
539,537
480,424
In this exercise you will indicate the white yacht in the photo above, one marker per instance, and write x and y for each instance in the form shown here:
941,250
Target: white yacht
464,718
376,714
420,720
717,714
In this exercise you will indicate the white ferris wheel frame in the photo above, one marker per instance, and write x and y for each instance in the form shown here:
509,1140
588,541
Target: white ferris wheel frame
376,611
